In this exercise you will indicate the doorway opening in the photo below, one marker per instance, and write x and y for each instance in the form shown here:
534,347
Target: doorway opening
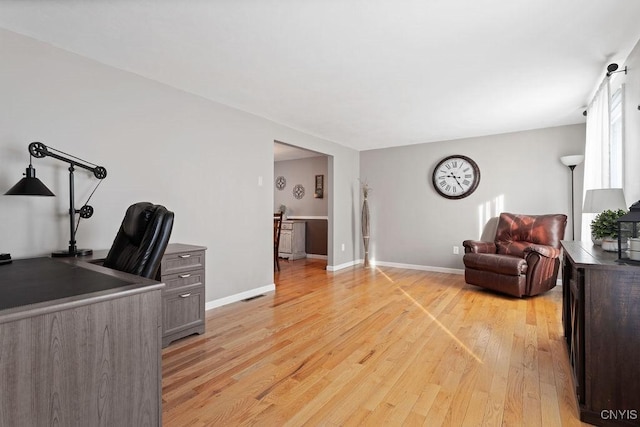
302,191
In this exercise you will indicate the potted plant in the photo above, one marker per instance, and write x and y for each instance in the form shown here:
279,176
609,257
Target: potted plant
605,227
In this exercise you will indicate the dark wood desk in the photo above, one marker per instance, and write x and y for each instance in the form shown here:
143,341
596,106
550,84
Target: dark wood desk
79,345
601,319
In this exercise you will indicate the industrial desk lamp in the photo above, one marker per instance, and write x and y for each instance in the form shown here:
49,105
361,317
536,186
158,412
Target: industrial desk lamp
32,186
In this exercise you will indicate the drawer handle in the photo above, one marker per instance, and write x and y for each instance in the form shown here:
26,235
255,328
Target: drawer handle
185,295
185,256
184,276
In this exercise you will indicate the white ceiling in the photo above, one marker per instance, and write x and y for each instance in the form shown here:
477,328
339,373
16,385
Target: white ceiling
363,73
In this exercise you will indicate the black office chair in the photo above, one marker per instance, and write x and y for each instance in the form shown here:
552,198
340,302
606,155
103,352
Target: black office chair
141,240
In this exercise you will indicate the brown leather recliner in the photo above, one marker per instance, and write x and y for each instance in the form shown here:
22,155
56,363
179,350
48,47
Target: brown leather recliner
523,259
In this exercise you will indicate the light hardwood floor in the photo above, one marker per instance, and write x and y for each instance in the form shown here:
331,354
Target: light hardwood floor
380,346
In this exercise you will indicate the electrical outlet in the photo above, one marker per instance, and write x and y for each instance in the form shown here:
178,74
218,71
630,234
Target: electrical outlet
343,247
456,250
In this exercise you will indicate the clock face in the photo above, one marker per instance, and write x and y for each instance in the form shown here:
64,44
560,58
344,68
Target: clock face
455,177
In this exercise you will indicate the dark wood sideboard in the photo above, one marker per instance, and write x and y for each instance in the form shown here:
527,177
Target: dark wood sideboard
79,345
601,319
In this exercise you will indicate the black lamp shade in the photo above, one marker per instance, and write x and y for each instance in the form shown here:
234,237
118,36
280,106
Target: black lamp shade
29,186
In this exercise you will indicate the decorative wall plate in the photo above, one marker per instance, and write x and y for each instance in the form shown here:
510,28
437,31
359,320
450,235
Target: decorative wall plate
298,191
281,182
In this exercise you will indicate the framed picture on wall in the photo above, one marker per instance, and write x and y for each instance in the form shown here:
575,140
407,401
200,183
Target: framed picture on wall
318,194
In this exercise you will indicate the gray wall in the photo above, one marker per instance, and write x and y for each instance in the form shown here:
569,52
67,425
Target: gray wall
301,171
201,159
204,160
520,172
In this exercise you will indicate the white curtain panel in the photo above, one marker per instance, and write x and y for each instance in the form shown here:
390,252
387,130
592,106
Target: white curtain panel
596,153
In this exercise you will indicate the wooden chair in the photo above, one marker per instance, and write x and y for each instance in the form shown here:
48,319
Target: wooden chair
277,226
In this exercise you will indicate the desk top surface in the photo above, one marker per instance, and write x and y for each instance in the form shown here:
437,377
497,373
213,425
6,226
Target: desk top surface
38,280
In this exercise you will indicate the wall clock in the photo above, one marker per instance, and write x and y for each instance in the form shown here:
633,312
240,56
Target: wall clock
281,182
456,177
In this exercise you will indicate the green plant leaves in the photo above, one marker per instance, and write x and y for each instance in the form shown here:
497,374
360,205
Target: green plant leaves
605,224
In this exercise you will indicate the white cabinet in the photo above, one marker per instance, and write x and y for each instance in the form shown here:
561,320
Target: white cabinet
292,240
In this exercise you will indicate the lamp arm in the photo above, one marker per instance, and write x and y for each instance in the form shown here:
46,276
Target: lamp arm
39,150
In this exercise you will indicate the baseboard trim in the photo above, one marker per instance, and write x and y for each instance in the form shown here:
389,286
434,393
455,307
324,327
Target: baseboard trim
345,265
420,267
315,256
239,297
397,265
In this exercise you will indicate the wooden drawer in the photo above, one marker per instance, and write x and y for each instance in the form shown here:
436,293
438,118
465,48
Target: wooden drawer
177,281
173,263
286,226
182,271
183,309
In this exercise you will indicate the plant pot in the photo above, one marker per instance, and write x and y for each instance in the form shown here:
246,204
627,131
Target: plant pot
611,245
596,241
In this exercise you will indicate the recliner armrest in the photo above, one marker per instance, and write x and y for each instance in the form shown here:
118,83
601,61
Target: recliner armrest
546,251
479,247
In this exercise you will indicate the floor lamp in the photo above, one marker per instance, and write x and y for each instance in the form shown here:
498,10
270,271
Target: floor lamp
571,162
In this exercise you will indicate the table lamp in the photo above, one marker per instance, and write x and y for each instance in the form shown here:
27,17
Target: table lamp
32,186
602,199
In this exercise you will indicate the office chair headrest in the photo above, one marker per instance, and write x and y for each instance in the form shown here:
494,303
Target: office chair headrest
137,219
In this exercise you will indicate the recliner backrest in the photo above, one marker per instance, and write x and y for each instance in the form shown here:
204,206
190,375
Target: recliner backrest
516,232
141,240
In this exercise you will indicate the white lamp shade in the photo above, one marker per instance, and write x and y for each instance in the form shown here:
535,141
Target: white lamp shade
596,201
572,160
